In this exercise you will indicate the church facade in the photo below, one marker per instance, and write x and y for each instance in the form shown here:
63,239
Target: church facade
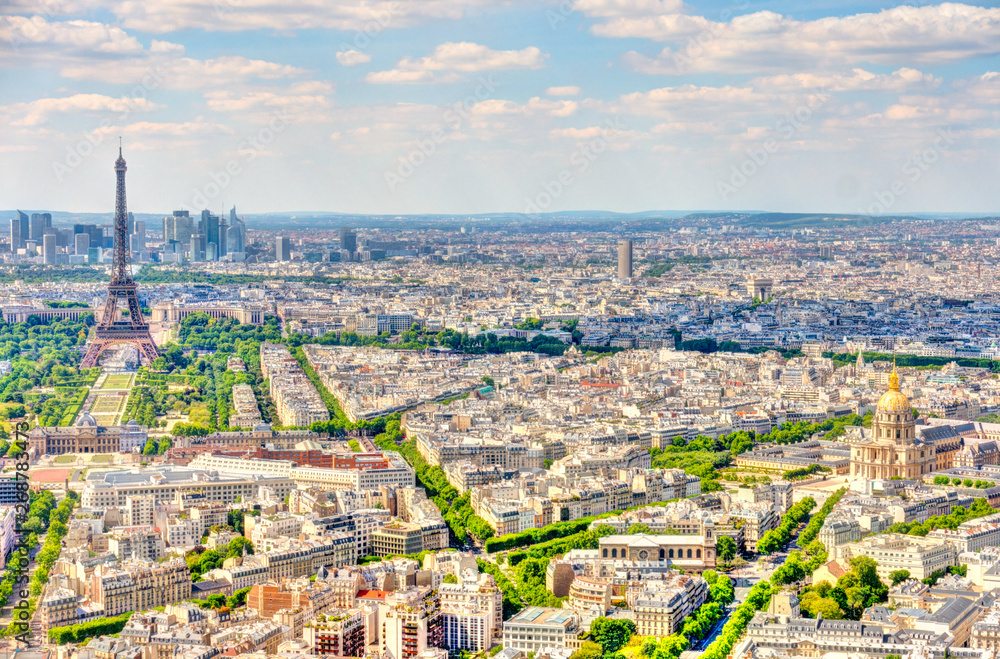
893,448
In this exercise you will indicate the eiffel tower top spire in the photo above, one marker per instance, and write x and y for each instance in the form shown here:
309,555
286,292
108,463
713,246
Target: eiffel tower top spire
122,269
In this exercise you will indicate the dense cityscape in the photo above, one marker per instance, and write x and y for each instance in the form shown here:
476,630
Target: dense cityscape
772,436
350,329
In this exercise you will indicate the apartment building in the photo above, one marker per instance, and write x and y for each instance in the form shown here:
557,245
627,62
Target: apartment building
138,511
295,398
397,539
398,473
472,612
243,572
511,453
535,628
245,403
756,519
464,476
261,530
662,606
142,543
341,634
57,608
411,622
8,533
840,532
140,586
920,556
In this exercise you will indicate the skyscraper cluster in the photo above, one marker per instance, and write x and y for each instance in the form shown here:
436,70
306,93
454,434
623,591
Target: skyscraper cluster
28,232
35,235
204,238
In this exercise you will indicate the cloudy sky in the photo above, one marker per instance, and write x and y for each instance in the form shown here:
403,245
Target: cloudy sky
470,106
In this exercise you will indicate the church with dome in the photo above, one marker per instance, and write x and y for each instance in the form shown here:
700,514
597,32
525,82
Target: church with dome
85,436
892,449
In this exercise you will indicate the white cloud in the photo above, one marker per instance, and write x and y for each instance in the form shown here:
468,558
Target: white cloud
694,103
26,36
563,91
398,77
621,8
38,111
451,59
353,58
534,105
260,106
181,72
161,16
183,129
858,80
83,50
765,40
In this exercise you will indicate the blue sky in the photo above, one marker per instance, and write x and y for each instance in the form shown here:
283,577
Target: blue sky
471,106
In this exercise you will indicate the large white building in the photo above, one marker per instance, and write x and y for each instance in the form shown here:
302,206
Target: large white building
472,612
922,557
108,489
535,628
398,474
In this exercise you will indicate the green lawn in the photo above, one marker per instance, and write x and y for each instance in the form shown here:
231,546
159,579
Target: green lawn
107,405
104,457
64,459
118,381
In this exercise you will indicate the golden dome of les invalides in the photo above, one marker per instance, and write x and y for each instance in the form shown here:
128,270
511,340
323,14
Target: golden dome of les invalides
894,400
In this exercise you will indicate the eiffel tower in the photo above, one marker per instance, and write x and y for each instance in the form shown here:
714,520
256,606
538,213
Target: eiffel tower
122,289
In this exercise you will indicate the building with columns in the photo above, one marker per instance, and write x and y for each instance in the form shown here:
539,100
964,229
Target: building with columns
893,448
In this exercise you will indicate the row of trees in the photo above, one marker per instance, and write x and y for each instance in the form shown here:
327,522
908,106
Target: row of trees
49,553
979,508
966,482
534,536
798,566
589,539
45,559
812,529
804,472
757,599
775,539
84,630
40,507
511,601
913,361
456,510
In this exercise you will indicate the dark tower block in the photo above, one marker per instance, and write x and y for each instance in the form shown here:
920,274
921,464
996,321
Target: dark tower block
122,290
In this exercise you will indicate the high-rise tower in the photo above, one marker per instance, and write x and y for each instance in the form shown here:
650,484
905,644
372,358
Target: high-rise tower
133,330
624,259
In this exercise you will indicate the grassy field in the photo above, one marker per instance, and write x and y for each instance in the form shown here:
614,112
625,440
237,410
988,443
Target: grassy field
104,457
64,459
107,405
118,381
